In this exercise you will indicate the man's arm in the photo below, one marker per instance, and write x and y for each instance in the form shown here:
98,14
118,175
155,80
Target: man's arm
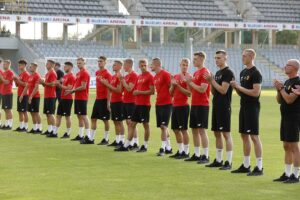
146,92
117,89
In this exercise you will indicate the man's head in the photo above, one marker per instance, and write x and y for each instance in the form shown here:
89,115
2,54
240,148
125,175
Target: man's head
128,63
6,64
117,66
80,62
156,64
199,58
57,66
68,67
22,64
248,56
292,67
143,63
50,64
221,58
102,62
33,67
184,65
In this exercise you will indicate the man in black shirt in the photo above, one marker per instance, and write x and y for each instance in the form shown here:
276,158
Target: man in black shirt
290,121
249,91
60,75
221,112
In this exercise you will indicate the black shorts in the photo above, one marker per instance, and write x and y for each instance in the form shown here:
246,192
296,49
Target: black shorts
80,107
64,107
199,117
117,111
128,109
290,127
100,110
35,105
221,119
141,114
249,119
180,117
49,106
0,98
163,114
23,105
7,101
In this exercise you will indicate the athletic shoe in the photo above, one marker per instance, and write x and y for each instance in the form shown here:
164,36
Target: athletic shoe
77,138
23,130
183,155
203,159
256,172
103,142
226,166
114,144
242,169
31,131
39,131
122,148
177,154
161,152
65,136
168,151
120,144
292,179
134,147
193,158
18,129
142,149
45,133
51,135
6,128
282,178
215,164
86,140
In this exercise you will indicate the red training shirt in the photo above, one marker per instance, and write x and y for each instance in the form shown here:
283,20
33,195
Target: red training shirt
130,78
101,89
162,82
50,91
200,99
68,79
82,76
180,99
115,97
9,76
143,83
32,81
24,76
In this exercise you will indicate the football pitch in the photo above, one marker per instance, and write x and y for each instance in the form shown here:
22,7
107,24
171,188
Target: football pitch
33,167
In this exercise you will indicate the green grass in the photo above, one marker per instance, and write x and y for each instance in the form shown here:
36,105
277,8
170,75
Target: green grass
35,168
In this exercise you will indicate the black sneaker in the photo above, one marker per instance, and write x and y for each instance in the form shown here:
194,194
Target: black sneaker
31,131
226,166
122,148
142,149
168,151
103,142
256,172
120,144
193,158
77,138
183,156
65,136
242,169
23,130
161,152
215,164
45,133
177,154
292,179
282,178
38,131
18,129
51,135
6,128
86,140
135,146
114,144
203,159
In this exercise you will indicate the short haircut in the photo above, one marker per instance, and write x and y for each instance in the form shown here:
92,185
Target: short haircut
221,51
129,61
34,64
144,60
119,62
7,61
102,58
81,58
51,61
296,63
201,54
156,59
22,62
251,51
186,60
57,64
69,63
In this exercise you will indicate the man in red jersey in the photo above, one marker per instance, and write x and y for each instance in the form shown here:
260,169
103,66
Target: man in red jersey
143,90
200,108
66,101
115,86
128,82
7,95
49,97
101,108
81,90
181,110
22,106
1,73
163,108
32,88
